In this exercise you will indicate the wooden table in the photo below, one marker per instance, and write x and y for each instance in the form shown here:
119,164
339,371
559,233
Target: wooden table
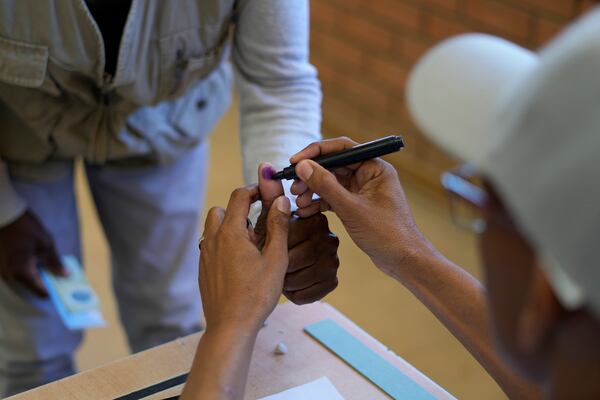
305,361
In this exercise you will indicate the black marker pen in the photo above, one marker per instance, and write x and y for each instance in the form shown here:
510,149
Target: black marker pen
358,153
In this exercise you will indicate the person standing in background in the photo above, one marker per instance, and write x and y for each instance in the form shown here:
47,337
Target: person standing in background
134,88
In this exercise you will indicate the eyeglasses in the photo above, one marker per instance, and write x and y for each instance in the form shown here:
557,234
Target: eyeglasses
467,198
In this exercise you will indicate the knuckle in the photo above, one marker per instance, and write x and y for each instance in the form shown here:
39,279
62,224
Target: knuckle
333,263
239,192
322,222
388,168
297,299
334,284
214,211
346,139
291,296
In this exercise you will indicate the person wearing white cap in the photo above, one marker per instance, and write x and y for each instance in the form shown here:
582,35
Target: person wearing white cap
529,126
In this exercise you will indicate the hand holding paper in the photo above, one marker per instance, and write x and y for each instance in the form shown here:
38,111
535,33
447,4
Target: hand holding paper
74,298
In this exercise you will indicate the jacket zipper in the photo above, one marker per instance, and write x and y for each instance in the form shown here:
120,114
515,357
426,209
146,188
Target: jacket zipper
106,83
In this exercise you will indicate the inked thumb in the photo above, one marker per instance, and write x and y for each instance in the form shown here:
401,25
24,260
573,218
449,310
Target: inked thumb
276,245
269,190
323,183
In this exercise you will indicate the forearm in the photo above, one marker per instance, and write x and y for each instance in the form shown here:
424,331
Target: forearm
458,300
220,367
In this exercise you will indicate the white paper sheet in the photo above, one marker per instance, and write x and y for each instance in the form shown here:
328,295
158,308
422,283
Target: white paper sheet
320,389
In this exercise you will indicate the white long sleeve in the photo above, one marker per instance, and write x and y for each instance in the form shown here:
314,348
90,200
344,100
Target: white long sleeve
280,95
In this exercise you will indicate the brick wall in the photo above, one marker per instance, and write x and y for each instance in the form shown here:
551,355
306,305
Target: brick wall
364,51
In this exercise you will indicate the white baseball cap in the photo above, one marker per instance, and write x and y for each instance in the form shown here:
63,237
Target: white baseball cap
531,123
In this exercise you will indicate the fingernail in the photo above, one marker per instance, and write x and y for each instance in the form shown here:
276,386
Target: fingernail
304,170
283,204
267,171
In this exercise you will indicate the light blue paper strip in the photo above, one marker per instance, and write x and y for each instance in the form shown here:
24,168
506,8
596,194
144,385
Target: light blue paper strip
368,363
76,320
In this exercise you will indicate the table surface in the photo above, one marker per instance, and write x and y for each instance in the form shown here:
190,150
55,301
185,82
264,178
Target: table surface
305,361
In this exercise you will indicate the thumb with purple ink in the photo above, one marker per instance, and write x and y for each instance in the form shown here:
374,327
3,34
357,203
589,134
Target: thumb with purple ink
269,190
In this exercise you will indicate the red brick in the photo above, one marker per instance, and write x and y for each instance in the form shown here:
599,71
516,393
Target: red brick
381,126
341,116
323,15
343,4
396,13
445,5
440,28
327,72
586,5
363,32
545,30
563,8
364,94
389,75
412,48
364,59
500,16
339,52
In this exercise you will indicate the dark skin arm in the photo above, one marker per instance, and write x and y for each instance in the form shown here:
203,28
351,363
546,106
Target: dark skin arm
369,200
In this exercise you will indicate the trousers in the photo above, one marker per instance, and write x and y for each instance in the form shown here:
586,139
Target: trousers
150,215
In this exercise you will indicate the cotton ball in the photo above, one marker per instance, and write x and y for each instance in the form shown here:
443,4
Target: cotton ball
280,349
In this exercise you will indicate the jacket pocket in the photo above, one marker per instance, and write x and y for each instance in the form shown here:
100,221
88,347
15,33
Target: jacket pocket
195,114
22,64
188,57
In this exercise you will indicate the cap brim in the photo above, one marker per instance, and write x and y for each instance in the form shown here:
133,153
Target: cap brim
455,91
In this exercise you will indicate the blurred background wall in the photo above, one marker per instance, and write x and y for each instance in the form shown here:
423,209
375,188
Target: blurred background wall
364,51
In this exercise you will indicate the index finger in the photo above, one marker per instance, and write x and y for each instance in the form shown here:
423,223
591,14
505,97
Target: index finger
214,219
236,215
327,146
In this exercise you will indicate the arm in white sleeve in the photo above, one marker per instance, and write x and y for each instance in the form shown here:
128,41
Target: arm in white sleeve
11,204
280,94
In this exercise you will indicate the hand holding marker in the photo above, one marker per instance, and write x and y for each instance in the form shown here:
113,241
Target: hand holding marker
358,153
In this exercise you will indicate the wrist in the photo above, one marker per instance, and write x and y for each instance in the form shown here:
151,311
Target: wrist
232,327
405,259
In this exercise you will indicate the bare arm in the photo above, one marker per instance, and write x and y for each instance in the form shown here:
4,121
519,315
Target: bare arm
240,285
458,300
369,200
221,364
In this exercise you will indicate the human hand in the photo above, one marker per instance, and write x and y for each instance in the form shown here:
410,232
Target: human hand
240,283
367,197
24,244
313,260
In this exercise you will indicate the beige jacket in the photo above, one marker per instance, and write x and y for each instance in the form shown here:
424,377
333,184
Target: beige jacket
171,85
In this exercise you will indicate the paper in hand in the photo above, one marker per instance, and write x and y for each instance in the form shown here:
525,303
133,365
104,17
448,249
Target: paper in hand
74,298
